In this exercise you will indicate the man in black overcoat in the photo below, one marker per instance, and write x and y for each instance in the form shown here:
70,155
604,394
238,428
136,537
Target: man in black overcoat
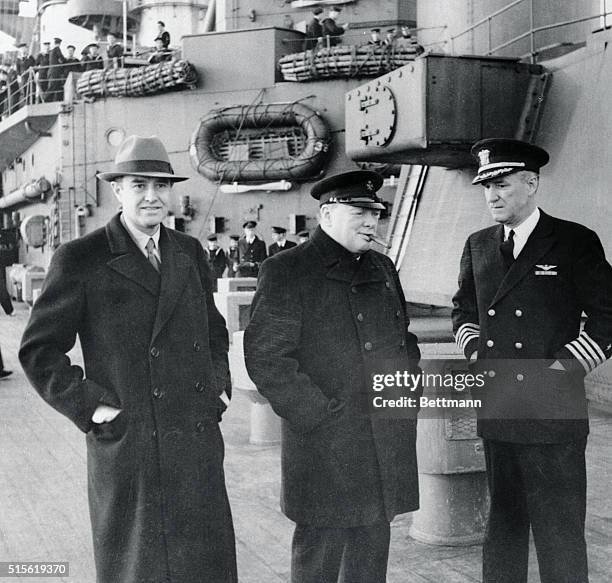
325,315
314,29
251,250
523,286
42,68
216,259
233,256
56,72
154,385
331,30
281,243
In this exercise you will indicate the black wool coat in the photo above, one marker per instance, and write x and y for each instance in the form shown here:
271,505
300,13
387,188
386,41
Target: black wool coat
522,320
156,348
319,322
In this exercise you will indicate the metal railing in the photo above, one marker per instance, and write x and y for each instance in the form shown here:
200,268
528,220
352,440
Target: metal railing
39,84
532,30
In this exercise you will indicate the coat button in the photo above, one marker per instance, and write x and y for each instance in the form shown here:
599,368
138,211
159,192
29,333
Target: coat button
518,345
518,313
490,343
199,427
402,344
199,386
520,377
491,312
196,346
491,373
354,289
398,314
387,285
158,393
360,317
154,351
368,346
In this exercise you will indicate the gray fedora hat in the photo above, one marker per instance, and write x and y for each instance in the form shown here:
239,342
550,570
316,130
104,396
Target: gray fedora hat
139,156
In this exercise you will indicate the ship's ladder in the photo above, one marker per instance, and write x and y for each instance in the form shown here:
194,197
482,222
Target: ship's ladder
409,189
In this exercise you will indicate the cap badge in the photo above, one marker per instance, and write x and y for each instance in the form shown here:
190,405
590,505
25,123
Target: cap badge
483,156
369,186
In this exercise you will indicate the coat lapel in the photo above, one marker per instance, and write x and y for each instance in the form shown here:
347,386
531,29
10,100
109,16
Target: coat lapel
538,244
175,268
369,271
127,260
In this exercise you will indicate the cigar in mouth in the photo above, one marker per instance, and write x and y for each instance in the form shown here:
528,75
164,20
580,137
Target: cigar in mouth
378,240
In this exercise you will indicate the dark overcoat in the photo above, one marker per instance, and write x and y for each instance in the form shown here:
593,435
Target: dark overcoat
521,320
56,58
232,259
319,322
251,256
314,31
216,261
274,248
156,348
332,31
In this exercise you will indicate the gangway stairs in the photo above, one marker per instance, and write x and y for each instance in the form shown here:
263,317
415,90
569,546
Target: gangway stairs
409,189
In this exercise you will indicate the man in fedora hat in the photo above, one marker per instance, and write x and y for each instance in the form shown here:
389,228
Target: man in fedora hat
154,384
324,314
523,287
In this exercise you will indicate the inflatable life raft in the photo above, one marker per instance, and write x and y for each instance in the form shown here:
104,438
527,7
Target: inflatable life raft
263,142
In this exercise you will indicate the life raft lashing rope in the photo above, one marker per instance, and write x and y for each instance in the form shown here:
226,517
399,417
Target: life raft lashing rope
137,81
346,61
262,142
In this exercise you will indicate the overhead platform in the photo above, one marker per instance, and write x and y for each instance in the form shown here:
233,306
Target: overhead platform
21,129
106,15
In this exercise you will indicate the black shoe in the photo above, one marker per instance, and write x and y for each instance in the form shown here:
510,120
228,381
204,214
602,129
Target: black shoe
5,373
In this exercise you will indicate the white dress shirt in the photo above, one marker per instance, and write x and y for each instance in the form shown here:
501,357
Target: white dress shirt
522,232
142,239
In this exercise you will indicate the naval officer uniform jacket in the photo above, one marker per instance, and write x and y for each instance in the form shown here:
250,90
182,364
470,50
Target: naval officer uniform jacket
254,253
522,320
276,248
534,418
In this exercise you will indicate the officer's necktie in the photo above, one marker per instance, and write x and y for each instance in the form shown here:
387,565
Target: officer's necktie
507,249
153,260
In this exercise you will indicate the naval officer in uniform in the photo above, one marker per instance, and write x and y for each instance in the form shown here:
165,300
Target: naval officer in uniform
523,286
324,314
251,250
281,243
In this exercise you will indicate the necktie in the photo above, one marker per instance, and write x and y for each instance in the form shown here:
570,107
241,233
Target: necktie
507,249
153,260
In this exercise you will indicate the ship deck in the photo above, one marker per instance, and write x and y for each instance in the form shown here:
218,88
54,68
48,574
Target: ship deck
43,493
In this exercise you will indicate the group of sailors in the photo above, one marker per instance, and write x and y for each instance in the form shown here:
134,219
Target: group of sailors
246,253
326,32
42,77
